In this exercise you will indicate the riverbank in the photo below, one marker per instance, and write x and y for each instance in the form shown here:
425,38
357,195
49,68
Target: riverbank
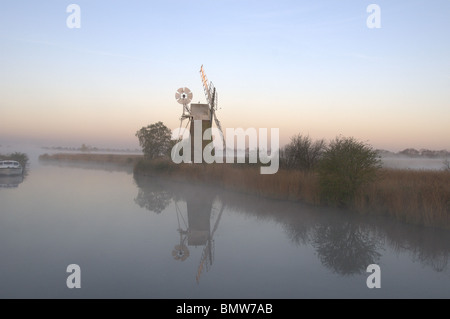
416,197
101,158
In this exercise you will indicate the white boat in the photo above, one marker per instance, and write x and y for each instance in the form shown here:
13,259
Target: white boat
10,167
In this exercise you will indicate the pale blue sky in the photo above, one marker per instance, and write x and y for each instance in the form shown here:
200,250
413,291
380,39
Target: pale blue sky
309,67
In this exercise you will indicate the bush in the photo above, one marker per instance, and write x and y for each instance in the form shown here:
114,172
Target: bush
346,166
302,153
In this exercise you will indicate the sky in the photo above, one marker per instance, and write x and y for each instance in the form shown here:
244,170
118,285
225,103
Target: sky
306,67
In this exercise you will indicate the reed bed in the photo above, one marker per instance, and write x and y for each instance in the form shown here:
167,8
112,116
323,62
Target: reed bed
416,197
120,159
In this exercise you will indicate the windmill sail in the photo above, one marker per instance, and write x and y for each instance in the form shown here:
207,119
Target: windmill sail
205,84
211,97
216,120
184,96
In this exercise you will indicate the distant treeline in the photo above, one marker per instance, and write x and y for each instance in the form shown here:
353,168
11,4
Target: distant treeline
412,152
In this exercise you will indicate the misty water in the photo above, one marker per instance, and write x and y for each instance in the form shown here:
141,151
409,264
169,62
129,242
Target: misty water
141,237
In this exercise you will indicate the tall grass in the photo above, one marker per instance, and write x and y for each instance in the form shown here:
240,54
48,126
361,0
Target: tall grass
416,197
285,184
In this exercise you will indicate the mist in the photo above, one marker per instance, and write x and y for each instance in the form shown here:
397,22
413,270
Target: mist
405,162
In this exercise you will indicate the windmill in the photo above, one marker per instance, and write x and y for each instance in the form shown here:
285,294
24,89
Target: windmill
203,114
184,96
211,97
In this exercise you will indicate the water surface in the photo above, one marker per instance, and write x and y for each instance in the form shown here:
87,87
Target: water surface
140,237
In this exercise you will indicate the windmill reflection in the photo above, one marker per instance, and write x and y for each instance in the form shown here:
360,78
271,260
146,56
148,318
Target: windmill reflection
181,251
195,230
198,219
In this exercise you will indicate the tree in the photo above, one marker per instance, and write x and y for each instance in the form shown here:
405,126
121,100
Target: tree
346,247
84,148
302,153
346,165
155,140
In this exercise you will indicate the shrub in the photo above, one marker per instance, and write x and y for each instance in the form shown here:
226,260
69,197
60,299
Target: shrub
346,166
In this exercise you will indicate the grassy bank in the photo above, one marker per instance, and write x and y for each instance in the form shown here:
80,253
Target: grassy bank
119,159
416,197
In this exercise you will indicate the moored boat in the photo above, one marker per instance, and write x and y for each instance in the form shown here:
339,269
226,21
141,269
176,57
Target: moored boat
9,167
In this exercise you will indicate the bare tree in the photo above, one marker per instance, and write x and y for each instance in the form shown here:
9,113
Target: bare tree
302,152
446,166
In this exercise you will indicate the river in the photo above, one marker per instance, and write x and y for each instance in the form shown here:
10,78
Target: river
141,237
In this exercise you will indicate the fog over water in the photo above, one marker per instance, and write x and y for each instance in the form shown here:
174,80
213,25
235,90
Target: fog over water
141,237
404,162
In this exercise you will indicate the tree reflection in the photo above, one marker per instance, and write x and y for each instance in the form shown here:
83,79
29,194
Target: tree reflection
438,260
345,247
428,246
153,196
